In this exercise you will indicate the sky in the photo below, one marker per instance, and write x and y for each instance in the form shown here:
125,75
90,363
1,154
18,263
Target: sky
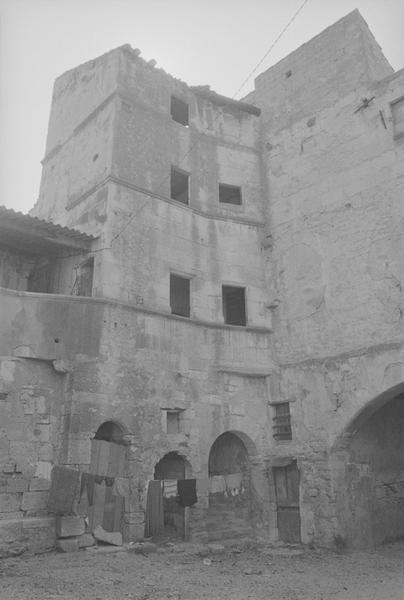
214,42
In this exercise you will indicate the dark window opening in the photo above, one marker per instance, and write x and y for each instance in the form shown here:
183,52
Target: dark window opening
229,194
397,110
173,421
234,305
85,278
179,295
179,186
282,429
40,278
179,111
110,432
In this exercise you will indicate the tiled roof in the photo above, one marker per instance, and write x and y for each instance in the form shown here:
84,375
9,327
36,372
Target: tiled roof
27,231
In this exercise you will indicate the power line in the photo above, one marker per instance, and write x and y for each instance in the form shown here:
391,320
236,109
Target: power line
162,182
271,46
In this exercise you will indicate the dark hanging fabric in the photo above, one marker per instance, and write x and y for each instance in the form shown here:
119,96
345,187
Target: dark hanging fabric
154,525
87,483
187,492
65,485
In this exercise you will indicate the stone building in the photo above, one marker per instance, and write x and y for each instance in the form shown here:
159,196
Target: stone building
211,290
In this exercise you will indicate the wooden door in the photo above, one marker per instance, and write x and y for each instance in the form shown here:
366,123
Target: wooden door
107,461
287,500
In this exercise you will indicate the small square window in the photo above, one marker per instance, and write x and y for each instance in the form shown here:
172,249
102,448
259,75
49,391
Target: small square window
179,111
179,185
173,421
229,194
282,429
234,305
180,295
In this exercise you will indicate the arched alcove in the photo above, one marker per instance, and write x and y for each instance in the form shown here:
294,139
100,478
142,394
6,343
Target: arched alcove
107,483
368,465
233,503
172,466
110,431
227,455
172,522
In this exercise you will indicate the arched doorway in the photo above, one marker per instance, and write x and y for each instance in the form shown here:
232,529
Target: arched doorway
107,482
368,460
171,468
231,498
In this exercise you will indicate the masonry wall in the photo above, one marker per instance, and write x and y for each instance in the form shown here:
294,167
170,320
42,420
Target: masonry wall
149,364
342,58
335,183
317,242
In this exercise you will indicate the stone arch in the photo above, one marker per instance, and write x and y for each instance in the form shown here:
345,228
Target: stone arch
172,465
229,454
246,441
234,501
367,461
165,516
107,481
112,431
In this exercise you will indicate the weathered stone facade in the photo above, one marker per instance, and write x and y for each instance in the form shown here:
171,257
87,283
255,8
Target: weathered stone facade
316,243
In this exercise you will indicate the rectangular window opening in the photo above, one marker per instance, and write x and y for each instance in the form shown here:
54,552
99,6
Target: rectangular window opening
397,111
173,421
282,429
180,295
179,111
229,194
40,278
179,186
234,311
85,278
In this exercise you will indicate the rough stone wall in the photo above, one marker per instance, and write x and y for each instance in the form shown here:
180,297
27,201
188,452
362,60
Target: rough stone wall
37,353
317,242
370,499
31,409
340,59
335,246
150,363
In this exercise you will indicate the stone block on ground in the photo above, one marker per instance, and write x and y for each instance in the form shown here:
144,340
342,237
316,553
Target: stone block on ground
69,526
108,537
67,544
65,483
86,540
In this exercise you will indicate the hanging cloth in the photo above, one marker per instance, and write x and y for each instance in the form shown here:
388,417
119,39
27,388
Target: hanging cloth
233,483
217,484
187,492
87,483
170,488
154,525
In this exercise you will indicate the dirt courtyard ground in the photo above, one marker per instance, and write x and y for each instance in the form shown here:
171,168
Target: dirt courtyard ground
184,572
